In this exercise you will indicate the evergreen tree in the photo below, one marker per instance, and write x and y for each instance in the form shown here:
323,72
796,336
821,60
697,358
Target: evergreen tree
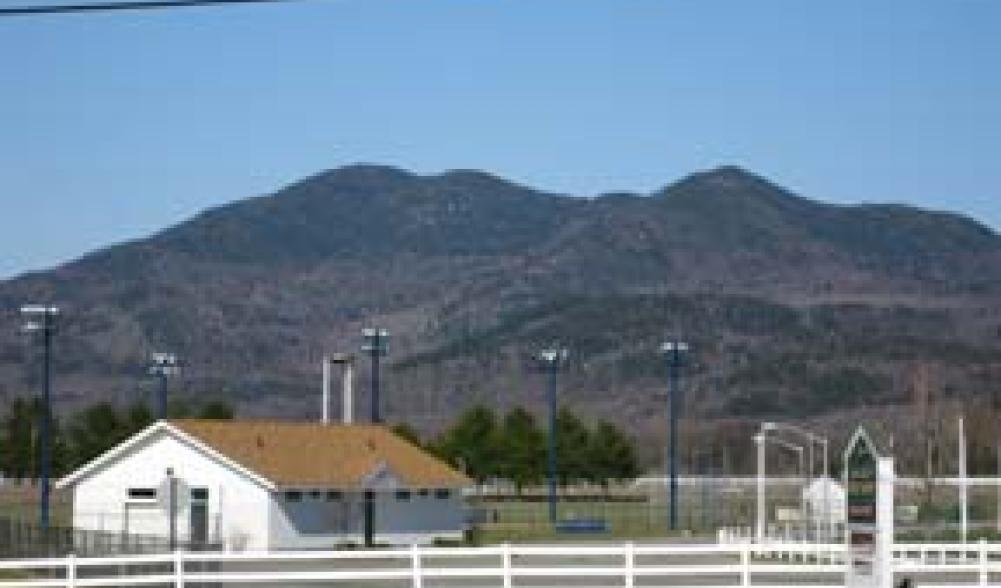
138,417
612,455
408,433
20,438
93,431
18,446
522,449
573,442
471,444
216,410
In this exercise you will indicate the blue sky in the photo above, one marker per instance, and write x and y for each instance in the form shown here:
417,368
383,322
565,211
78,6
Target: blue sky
115,125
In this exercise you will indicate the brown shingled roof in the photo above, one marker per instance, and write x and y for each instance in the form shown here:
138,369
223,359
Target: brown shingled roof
315,455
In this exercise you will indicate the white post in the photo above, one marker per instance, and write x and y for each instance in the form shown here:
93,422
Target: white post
71,571
178,569
885,480
962,483
983,562
347,400
759,526
325,419
829,519
802,498
506,565
630,561
415,560
745,565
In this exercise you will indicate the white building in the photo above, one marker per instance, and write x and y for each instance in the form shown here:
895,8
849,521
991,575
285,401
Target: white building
825,501
265,485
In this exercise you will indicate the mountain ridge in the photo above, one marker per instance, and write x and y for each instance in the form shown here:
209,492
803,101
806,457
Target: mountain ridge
471,272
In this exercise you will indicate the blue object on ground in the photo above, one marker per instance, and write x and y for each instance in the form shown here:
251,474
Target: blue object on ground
582,526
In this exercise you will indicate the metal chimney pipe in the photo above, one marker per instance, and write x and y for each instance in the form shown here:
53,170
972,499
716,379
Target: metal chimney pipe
347,400
325,419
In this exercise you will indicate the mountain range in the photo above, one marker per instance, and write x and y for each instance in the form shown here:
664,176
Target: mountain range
792,307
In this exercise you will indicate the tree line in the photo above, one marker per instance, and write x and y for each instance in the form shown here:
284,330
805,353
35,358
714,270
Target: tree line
485,446
514,448
83,435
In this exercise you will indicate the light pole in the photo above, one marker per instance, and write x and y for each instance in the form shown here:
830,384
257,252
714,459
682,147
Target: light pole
376,346
674,350
47,316
759,519
963,499
163,366
551,360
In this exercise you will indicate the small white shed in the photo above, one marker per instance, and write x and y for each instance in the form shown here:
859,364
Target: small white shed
825,501
267,485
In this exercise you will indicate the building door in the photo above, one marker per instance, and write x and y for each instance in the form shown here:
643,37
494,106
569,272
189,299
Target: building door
369,518
199,516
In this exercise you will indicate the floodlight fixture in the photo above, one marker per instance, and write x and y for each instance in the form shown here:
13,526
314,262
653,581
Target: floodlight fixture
163,365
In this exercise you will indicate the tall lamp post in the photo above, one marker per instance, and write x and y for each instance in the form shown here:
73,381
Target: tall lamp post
551,360
163,366
42,318
759,518
375,345
675,351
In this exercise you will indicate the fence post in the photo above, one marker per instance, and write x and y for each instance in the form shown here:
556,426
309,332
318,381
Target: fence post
506,564
983,562
178,569
71,570
630,561
745,565
415,562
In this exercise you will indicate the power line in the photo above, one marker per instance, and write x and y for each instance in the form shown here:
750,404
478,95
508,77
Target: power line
111,6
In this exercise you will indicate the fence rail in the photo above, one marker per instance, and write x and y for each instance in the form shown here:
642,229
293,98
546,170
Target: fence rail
624,565
22,539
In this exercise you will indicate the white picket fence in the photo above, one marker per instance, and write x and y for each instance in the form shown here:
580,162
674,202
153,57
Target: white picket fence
510,566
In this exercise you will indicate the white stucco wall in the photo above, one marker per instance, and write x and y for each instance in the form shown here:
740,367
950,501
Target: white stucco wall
315,523
237,506
420,519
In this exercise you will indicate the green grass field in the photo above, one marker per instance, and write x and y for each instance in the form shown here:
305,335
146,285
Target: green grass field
636,517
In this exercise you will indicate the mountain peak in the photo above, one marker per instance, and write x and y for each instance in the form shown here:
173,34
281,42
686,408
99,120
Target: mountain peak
726,178
361,173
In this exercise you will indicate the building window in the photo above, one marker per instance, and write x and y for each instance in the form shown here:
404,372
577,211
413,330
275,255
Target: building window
200,494
403,494
333,496
442,493
423,492
293,496
142,493
315,494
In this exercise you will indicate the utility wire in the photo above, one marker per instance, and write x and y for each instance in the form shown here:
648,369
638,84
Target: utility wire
110,6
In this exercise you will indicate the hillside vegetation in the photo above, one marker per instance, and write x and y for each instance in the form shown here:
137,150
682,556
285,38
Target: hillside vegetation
794,307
